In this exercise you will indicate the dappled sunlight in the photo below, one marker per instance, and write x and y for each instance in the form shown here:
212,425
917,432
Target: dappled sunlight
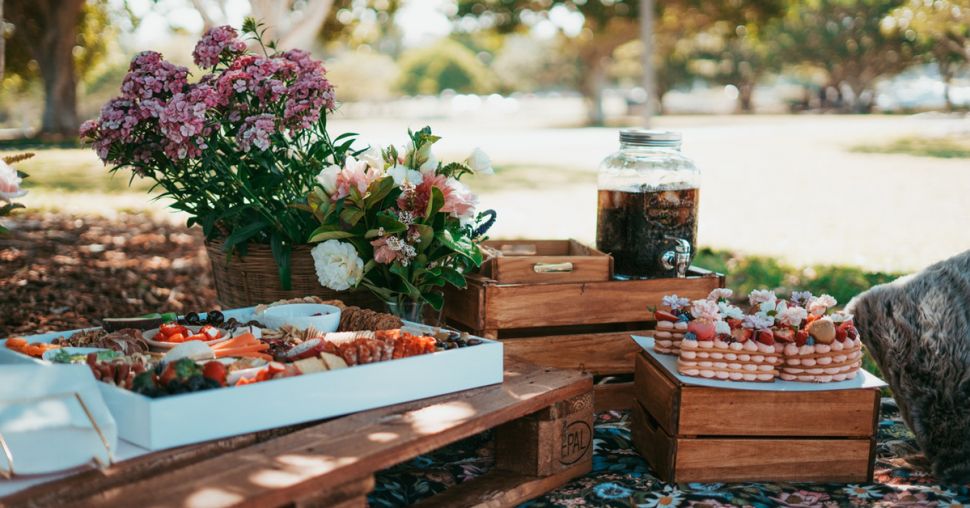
293,469
209,497
382,437
440,416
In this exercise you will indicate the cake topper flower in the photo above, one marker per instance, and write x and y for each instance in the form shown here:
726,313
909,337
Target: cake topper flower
675,302
758,322
729,311
801,297
819,306
705,310
792,316
720,295
759,296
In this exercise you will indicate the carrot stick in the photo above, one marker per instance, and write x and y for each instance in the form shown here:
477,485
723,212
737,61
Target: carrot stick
238,350
246,339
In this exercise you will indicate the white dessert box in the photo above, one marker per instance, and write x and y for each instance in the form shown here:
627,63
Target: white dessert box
189,418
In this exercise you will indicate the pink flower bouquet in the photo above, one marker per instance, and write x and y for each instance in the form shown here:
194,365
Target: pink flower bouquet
400,223
233,149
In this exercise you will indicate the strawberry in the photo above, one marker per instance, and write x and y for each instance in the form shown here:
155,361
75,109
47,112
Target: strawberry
766,337
785,335
851,332
739,335
840,334
734,323
703,331
801,338
663,315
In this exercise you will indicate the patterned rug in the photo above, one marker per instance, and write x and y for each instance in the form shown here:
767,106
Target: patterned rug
621,478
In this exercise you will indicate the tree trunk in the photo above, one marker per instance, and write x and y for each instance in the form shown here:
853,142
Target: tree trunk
745,97
649,77
55,57
591,86
946,74
3,48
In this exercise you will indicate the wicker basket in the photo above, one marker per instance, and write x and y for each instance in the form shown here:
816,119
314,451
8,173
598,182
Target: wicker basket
254,279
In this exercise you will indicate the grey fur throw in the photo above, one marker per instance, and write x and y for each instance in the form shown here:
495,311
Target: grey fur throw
918,330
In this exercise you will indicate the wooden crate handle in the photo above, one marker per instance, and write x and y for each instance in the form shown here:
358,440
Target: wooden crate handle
552,267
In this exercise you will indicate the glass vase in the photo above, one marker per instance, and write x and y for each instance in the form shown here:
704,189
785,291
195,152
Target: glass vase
406,309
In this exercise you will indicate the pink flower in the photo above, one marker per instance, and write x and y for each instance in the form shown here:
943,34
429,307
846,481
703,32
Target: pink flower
337,181
183,122
214,43
460,202
256,131
9,183
150,76
383,253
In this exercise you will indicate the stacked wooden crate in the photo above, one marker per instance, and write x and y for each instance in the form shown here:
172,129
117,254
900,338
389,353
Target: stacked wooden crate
557,321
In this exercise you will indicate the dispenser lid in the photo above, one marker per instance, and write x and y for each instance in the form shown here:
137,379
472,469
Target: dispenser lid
650,137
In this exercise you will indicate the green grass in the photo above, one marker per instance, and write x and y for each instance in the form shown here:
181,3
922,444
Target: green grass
943,147
67,170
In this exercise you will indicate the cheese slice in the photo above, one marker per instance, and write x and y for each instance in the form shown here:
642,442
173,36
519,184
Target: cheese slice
333,361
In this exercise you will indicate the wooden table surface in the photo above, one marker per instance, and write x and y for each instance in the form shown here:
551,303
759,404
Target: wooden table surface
332,463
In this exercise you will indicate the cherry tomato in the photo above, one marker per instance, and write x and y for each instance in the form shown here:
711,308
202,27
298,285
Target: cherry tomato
168,329
178,337
215,371
212,332
167,375
197,336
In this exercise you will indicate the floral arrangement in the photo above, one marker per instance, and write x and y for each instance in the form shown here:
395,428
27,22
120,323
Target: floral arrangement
398,222
234,149
10,182
797,339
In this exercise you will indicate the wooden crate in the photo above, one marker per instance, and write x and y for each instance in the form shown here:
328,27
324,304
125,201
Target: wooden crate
584,326
703,434
545,261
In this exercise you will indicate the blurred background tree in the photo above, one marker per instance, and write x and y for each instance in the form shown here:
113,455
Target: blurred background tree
847,39
446,65
56,42
941,28
608,25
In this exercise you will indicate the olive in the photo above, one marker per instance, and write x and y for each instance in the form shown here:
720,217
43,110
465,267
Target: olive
215,318
474,342
192,318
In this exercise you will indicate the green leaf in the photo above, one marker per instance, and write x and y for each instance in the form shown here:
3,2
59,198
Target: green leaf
390,224
454,277
282,253
351,215
328,234
378,190
435,203
243,234
436,299
426,236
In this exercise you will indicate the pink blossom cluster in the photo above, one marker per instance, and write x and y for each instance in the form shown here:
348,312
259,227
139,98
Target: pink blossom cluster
214,43
151,76
256,131
161,116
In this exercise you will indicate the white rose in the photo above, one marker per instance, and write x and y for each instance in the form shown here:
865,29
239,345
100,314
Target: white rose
9,183
328,178
402,174
479,162
820,305
792,316
759,296
730,311
720,293
722,328
337,264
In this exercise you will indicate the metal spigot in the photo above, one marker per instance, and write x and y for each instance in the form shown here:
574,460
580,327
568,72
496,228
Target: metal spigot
679,258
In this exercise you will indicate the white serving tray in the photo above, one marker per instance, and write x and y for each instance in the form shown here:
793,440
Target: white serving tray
189,418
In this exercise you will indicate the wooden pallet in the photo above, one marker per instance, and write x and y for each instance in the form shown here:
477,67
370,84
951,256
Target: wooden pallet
543,421
584,325
703,434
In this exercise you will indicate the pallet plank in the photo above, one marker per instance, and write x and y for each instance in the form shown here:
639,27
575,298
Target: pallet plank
613,396
343,450
499,488
597,353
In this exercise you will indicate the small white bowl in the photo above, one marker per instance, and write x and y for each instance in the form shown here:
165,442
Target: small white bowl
301,316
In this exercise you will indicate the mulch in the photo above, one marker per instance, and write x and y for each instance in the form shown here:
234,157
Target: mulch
60,272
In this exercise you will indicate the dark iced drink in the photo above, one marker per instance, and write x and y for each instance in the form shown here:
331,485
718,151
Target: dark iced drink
634,226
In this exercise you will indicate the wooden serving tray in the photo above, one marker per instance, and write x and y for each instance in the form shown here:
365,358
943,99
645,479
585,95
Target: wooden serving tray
545,261
703,434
